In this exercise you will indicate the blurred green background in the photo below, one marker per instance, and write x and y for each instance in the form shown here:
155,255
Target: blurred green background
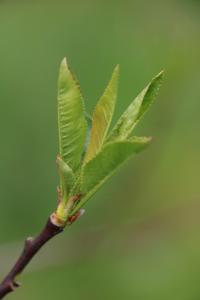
140,236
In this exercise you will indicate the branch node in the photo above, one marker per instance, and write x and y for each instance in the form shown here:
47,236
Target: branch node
16,284
28,243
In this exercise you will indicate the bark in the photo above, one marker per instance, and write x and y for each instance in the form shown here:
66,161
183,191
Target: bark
31,248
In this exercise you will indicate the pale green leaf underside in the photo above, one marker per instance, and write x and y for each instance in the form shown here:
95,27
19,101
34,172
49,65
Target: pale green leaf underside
136,110
67,178
102,116
100,168
71,120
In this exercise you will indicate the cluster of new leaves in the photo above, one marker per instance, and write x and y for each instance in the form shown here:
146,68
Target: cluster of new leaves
88,152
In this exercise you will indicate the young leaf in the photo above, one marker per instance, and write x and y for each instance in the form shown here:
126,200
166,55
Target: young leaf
136,110
105,163
102,116
71,120
67,178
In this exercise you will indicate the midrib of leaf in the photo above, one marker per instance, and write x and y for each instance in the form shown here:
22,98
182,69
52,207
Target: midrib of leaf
67,179
102,116
129,119
71,120
120,152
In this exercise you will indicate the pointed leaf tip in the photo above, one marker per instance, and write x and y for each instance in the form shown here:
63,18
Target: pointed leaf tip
140,142
64,64
64,61
102,116
129,119
117,68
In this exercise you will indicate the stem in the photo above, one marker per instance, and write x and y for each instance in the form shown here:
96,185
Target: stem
31,248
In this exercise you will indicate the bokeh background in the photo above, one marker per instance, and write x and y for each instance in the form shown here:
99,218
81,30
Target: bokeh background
140,236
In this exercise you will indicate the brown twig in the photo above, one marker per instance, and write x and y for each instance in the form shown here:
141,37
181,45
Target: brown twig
31,247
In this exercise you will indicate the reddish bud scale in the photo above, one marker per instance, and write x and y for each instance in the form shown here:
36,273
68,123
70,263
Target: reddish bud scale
76,216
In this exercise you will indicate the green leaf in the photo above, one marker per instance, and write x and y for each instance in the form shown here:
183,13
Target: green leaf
102,116
136,110
105,163
71,120
67,178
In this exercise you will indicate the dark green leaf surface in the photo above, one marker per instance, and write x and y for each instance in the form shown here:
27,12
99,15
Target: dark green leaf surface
99,169
136,110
